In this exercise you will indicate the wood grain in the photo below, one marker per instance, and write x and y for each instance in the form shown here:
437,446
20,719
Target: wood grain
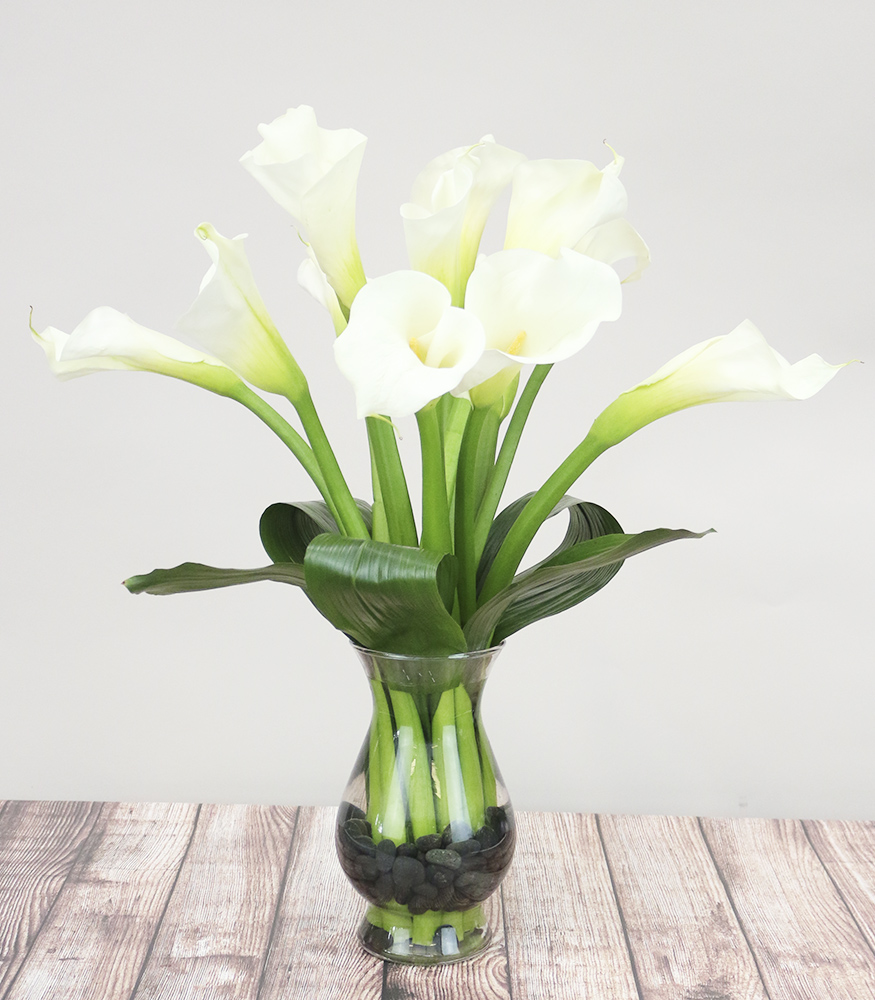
847,851
484,977
94,941
39,842
564,936
804,938
214,935
685,940
314,952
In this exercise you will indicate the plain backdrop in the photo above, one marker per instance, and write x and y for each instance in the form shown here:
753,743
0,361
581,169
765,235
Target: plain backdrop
727,676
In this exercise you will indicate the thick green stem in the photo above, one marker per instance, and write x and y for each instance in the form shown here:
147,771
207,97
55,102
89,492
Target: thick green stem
473,457
393,483
469,757
444,717
436,533
379,524
454,414
536,512
506,454
413,769
351,521
390,819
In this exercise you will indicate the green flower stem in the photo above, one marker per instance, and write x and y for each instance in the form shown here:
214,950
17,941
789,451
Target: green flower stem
436,533
455,412
415,773
536,512
498,478
474,456
389,811
393,484
379,524
469,758
444,717
425,926
351,521
290,438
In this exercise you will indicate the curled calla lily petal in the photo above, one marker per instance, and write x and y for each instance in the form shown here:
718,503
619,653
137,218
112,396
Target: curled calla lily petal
229,318
406,344
739,366
536,309
448,208
313,172
571,203
313,279
108,340
613,241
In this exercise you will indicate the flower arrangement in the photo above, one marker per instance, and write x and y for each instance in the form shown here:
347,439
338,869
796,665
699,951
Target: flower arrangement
448,342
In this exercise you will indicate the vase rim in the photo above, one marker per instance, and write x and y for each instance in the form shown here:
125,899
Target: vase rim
467,654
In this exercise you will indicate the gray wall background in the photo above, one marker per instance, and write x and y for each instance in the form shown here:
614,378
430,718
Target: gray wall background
728,676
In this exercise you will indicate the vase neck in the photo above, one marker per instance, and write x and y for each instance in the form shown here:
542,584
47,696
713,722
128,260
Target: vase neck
428,674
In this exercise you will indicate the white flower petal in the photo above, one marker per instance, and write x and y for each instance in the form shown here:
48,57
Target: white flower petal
229,317
109,340
537,309
313,172
613,241
740,366
313,279
405,344
449,204
555,203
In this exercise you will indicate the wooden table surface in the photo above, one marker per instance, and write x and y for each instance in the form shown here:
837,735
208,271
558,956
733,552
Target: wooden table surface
176,901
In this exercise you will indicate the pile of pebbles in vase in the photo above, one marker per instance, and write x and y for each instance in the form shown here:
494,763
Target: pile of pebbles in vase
452,870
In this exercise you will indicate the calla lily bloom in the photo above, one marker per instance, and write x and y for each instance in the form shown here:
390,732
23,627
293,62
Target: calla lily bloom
536,309
108,340
313,172
738,366
229,317
448,208
571,203
406,344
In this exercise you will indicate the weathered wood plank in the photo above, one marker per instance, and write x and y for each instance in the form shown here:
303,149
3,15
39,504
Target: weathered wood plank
685,940
213,938
38,845
564,935
483,977
98,934
847,851
314,951
804,938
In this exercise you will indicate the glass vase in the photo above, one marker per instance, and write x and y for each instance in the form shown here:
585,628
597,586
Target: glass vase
425,831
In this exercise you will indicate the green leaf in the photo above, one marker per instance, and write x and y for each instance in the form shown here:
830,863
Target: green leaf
544,587
287,529
585,520
190,576
391,598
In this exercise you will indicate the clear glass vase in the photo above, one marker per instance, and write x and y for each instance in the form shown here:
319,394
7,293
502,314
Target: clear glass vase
425,831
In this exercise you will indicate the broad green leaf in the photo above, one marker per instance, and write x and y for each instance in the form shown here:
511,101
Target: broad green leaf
190,576
287,529
585,520
386,597
544,586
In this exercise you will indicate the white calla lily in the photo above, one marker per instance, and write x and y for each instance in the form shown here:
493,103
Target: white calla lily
108,340
312,173
406,344
739,366
571,203
536,309
230,319
449,204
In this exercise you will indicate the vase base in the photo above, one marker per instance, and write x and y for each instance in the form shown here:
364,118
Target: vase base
431,938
